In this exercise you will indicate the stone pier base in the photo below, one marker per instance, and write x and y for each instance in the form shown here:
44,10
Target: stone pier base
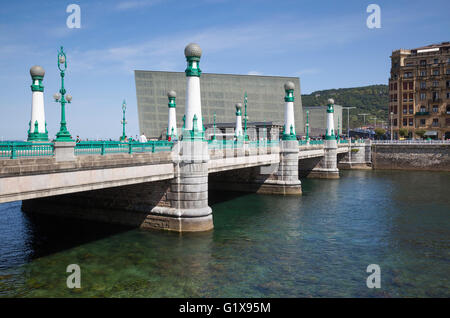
327,167
158,221
321,173
280,187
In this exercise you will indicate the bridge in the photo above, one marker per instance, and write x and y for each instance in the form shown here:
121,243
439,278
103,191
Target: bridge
164,184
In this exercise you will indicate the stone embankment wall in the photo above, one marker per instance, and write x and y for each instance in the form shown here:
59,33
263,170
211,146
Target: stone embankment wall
359,157
432,157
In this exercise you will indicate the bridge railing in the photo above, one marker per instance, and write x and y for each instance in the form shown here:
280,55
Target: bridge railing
13,150
110,147
410,142
233,144
311,142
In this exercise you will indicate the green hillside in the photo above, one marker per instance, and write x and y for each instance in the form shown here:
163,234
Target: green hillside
371,100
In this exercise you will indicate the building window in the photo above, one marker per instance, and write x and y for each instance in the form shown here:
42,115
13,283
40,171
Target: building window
405,122
423,62
436,72
411,122
395,86
405,85
448,71
423,73
423,96
435,122
422,122
395,121
448,95
405,110
435,83
411,109
411,97
435,108
448,109
435,96
423,109
436,61
447,121
448,84
411,85
423,84
405,97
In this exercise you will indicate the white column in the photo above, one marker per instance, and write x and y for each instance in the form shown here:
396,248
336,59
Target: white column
37,111
289,119
193,102
172,121
238,130
193,52
330,120
37,106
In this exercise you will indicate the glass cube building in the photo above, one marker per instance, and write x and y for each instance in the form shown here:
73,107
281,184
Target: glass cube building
219,93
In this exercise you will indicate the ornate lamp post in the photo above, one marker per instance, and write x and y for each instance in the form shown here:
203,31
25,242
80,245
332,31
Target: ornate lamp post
123,121
307,126
214,136
245,116
63,134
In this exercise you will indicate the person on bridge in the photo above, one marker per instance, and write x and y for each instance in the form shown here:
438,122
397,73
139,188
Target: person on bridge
142,138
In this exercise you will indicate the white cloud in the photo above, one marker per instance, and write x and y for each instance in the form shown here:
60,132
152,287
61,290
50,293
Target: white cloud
254,73
262,39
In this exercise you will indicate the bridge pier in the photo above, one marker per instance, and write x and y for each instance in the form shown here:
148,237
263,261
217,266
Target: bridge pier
284,180
327,167
188,194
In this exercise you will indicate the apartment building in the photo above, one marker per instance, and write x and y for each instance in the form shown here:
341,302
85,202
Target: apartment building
419,91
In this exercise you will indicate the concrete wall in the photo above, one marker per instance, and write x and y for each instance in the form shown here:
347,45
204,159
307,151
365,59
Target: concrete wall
411,157
318,119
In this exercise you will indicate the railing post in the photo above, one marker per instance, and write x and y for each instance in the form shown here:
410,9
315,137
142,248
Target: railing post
130,148
153,146
13,151
103,149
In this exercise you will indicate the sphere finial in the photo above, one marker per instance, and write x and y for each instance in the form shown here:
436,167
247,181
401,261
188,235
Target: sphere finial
37,70
289,86
330,101
193,50
238,106
171,94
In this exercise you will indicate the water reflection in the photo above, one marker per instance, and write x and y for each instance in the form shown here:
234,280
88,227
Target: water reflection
315,245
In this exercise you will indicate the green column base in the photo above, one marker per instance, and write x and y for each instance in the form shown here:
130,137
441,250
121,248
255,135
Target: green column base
37,136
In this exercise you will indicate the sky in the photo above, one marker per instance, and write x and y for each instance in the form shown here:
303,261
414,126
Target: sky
327,44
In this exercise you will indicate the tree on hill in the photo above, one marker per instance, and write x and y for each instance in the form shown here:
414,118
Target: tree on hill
372,100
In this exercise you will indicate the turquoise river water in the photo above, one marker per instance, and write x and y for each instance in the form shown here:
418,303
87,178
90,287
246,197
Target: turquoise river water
316,245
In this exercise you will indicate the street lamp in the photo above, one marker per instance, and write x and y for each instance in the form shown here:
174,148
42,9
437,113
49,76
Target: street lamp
245,117
307,126
123,121
364,117
63,134
348,119
392,115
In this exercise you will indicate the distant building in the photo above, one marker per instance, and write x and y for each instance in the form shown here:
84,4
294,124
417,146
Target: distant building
419,90
219,93
318,119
